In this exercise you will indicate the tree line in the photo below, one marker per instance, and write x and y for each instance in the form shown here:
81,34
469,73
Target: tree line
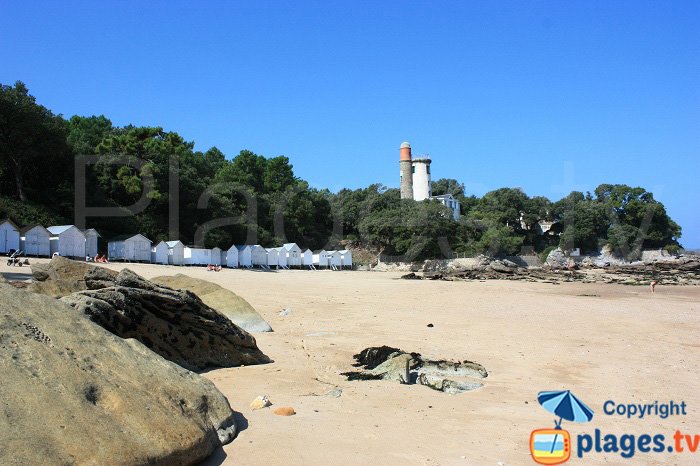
250,198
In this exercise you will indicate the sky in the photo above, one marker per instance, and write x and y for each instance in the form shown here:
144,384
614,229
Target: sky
549,96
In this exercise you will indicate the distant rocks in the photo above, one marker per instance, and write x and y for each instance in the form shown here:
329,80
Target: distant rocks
173,323
226,302
74,393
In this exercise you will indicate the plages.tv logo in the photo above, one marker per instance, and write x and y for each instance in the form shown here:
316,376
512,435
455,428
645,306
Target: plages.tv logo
553,446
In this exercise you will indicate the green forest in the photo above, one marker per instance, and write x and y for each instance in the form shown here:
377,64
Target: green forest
212,199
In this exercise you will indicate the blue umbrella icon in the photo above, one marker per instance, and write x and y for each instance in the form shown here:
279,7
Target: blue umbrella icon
565,405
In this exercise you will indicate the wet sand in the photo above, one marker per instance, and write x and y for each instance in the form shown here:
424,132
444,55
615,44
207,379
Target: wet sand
603,342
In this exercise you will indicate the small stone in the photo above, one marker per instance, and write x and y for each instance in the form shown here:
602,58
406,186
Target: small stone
260,402
285,411
430,325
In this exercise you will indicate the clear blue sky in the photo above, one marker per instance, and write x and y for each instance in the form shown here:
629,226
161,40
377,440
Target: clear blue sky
549,96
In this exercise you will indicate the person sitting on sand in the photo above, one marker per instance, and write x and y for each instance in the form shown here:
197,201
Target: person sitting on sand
209,268
217,268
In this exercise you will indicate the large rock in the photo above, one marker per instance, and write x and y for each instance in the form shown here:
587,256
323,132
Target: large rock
61,277
174,323
226,302
556,258
73,393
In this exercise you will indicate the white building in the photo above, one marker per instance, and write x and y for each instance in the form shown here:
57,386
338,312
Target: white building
320,259
258,256
245,258
197,256
68,241
346,258
91,238
35,241
335,259
293,254
216,256
133,248
307,258
276,258
9,236
176,252
159,253
451,203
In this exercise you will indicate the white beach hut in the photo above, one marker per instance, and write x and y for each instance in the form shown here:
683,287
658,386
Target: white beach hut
216,256
320,259
335,259
232,257
133,248
273,257
346,258
292,253
159,253
67,241
197,256
245,258
307,258
176,252
9,236
91,236
258,256
35,241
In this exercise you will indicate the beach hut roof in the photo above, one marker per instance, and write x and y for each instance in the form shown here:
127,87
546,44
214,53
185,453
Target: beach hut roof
289,246
7,220
318,251
128,236
58,229
242,247
172,244
343,251
91,229
31,227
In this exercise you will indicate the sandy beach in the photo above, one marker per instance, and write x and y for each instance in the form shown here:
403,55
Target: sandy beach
603,342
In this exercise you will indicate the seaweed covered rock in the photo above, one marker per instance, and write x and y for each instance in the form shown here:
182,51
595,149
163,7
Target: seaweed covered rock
73,393
226,302
174,323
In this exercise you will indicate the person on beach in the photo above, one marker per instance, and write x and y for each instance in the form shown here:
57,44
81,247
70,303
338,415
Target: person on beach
652,285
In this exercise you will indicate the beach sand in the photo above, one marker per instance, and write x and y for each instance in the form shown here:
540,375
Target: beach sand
602,342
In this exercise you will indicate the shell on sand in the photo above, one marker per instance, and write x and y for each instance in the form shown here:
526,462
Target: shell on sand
260,402
285,411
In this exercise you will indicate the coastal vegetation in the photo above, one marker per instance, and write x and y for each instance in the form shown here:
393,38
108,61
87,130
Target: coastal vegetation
207,197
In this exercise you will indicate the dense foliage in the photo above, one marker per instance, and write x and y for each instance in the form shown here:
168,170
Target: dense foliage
151,181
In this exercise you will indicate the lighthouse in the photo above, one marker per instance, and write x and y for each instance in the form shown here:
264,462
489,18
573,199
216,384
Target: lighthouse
406,170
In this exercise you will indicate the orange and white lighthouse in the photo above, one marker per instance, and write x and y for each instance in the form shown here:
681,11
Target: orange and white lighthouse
406,170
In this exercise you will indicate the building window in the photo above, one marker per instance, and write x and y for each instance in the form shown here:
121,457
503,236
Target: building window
413,169
428,169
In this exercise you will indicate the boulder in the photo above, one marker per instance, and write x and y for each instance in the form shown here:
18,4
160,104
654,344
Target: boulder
174,323
73,393
226,302
556,258
61,277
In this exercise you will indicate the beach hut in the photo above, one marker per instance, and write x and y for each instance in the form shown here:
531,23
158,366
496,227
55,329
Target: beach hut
232,257
320,258
91,236
176,252
197,256
307,258
292,253
159,253
258,256
216,256
273,257
245,258
67,241
335,259
9,236
346,258
133,248
35,240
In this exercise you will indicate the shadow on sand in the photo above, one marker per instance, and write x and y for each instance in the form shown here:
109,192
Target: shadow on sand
219,456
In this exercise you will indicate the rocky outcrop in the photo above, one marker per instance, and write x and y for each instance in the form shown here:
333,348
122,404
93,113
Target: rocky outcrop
556,258
61,277
174,323
387,363
73,393
226,302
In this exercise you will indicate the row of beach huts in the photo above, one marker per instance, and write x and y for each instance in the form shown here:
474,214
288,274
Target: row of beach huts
70,241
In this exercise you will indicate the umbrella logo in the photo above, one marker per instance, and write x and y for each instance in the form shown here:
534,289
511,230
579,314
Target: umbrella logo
553,446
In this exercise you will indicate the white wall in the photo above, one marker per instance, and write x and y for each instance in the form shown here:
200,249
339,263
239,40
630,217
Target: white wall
159,254
421,180
71,243
36,242
9,237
